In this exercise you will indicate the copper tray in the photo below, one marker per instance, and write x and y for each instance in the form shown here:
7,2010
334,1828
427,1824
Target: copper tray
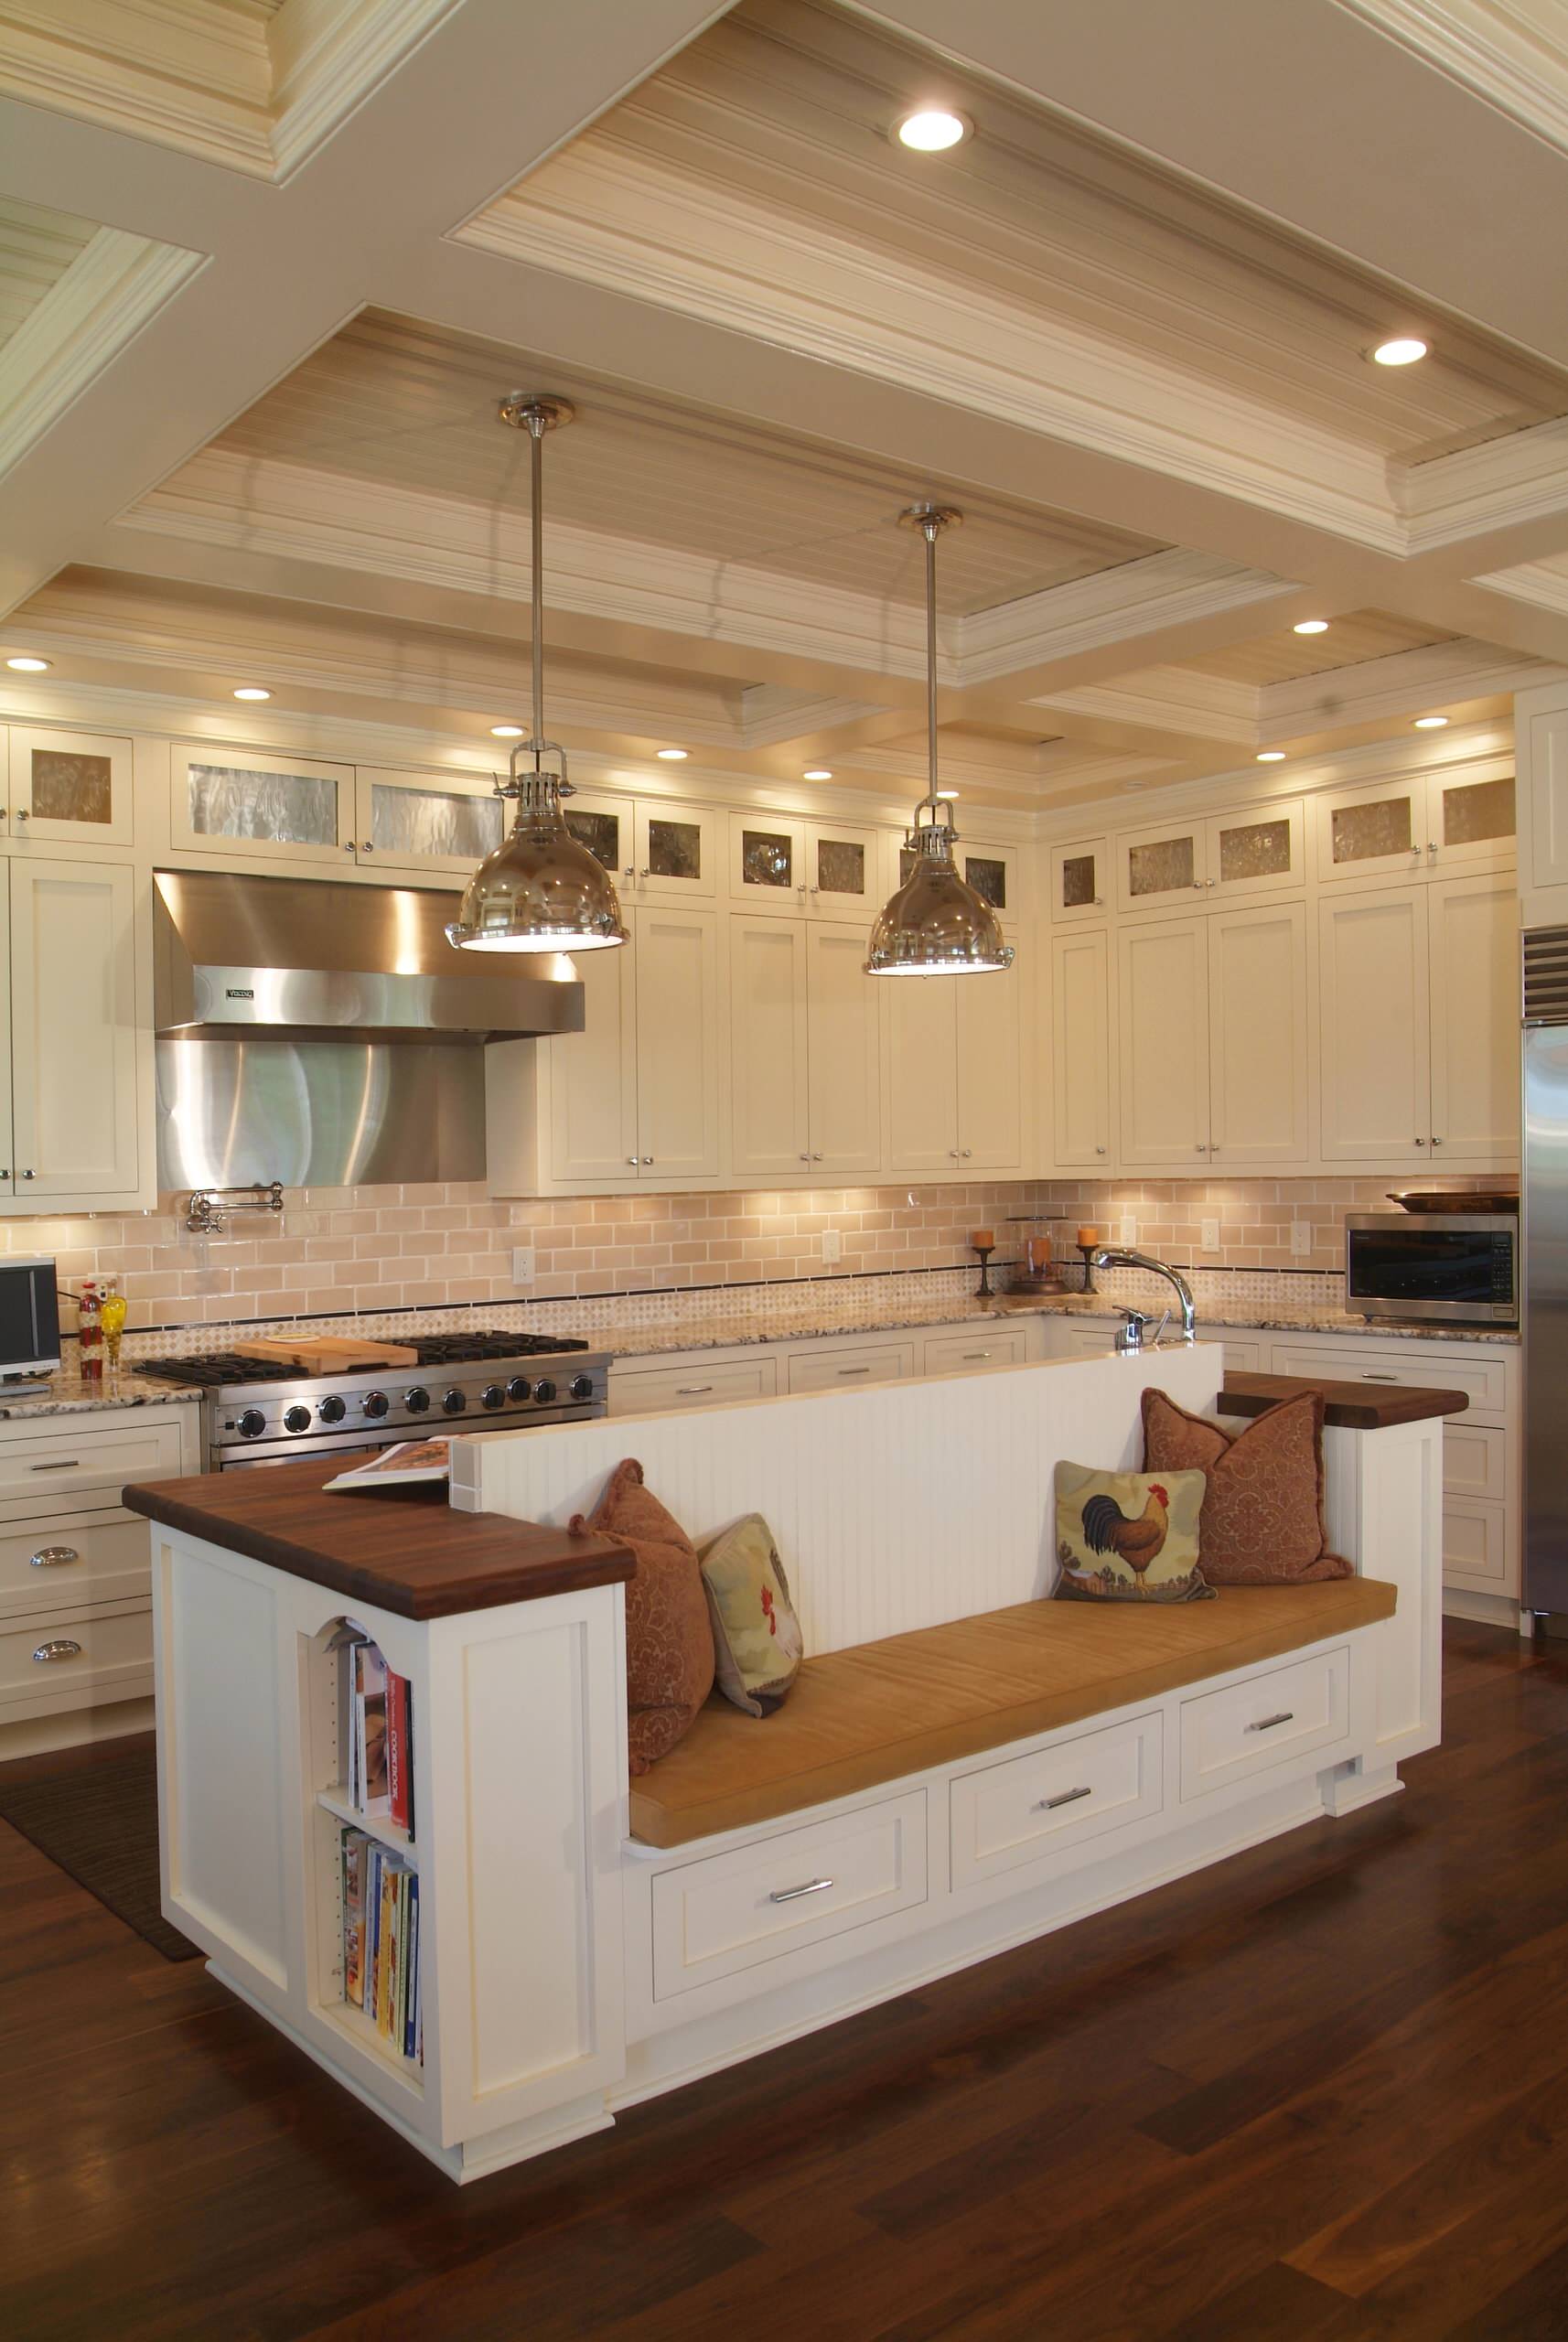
1433,1200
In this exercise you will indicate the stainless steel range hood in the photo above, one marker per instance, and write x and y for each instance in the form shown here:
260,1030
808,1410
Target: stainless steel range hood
298,959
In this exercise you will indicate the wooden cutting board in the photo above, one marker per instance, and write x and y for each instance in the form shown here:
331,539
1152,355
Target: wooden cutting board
327,1353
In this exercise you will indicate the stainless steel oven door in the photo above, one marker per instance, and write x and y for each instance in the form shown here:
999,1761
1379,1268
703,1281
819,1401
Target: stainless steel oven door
356,1447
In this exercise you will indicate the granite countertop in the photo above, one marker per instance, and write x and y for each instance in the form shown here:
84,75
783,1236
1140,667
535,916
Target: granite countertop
67,1392
863,1314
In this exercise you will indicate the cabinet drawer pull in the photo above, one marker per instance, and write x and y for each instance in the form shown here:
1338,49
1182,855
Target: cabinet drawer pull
970,1354
692,1390
1369,1375
1267,1723
51,1557
854,1370
61,1648
793,1894
66,1464
1067,1797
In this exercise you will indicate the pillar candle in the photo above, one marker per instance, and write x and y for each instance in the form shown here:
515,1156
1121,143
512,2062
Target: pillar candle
1088,1235
984,1240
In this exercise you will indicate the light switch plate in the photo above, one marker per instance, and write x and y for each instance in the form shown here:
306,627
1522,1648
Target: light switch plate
522,1265
832,1247
1129,1234
1209,1235
1301,1236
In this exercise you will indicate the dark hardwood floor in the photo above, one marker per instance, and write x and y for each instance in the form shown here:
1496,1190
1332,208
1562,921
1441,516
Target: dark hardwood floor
1320,2093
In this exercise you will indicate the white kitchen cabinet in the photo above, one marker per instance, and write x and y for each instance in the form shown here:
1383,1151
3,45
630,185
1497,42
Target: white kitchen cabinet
675,853
69,789
1258,1087
1080,883
78,1101
954,1073
241,807
1256,851
1162,868
819,869
1541,743
843,1054
590,1079
1081,1052
769,1077
678,1044
422,823
1429,825
1162,1054
1374,1028
1474,967
990,1073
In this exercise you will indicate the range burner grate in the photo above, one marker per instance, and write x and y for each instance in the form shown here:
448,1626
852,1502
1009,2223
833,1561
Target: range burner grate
432,1350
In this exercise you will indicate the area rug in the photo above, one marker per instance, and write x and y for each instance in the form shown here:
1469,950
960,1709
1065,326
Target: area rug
98,1820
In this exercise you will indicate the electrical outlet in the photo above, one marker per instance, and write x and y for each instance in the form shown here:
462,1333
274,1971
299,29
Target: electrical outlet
1209,1235
1127,1233
1301,1236
522,1265
832,1247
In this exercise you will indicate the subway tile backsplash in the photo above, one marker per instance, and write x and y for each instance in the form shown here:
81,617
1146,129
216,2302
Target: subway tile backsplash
390,1247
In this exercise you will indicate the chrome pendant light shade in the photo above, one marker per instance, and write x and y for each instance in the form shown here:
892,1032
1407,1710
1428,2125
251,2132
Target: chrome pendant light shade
935,925
540,890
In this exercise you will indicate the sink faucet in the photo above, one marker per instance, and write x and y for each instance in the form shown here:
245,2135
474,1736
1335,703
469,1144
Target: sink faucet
1108,1259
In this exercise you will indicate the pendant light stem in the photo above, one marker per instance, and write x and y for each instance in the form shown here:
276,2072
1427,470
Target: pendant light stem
536,428
931,528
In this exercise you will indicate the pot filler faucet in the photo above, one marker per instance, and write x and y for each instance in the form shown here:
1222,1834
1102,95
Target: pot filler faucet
1132,1337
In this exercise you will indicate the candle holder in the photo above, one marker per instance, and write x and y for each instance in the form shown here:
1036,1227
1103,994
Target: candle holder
982,1291
1089,1252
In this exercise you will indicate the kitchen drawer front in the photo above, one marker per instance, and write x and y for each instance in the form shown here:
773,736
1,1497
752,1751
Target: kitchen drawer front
664,1389
1475,1544
86,1466
1085,1341
732,1912
1226,1735
74,1653
827,1369
68,1559
1474,1459
1483,1380
1032,1807
985,1345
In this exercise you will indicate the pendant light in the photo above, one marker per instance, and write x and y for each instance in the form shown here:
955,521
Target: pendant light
935,925
540,890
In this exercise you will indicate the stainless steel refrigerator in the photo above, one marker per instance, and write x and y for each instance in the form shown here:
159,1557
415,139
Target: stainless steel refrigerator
1543,1281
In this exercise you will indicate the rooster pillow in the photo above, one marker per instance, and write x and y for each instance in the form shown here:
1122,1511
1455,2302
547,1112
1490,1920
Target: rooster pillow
1129,1536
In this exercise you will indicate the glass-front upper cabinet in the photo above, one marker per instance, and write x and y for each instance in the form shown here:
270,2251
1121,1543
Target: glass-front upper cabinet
820,869
436,822
1471,822
1256,851
1080,882
236,802
68,788
1439,823
1162,868
654,849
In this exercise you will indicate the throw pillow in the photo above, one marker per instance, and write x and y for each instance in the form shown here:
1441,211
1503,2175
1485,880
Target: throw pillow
1262,1507
1129,1536
669,1642
758,1643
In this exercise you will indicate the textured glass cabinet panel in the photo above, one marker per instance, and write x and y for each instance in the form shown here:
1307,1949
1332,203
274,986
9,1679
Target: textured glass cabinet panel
674,849
1078,881
416,823
72,789
1161,866
1256,850
988,878
600,833
766,858
287,807
841,868
1368,833
1477,809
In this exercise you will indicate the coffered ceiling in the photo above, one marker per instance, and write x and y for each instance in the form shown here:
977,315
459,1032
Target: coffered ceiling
267,266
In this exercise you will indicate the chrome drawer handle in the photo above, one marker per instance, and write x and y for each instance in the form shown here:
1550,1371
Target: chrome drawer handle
854,1370
65,1464
1067,1797
1367,1376
51,1557
692,1390
793,1894
1267,1723
61,1648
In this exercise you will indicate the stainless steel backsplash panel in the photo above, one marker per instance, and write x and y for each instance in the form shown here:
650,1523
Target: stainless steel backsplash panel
323,1114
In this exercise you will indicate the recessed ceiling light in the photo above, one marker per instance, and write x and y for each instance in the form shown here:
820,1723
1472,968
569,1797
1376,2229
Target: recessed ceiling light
671,756
1271,757
252,691
817,772
1310,626
1403,351
947,792
28,666
506,731
931,129
1430,722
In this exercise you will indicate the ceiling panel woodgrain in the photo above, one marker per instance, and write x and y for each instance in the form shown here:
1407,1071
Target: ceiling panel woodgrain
1283,657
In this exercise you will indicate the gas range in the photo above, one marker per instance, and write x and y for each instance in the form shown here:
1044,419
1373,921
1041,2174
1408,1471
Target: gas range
254,1412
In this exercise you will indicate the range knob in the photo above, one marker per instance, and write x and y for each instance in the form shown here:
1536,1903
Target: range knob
375,1405
542,1394
518,1389
453,1402
492,1395
582,1386
333,1409
252,1423
417,1401
297,1419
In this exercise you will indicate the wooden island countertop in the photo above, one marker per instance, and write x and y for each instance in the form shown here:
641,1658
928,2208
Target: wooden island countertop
402,1549
1347,1406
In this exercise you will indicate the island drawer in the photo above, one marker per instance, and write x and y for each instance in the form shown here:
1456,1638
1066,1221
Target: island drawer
1432,1366
1029,1808
74,1558
1249,1726
77,1658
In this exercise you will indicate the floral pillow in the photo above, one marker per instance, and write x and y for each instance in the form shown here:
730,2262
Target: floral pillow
758,1643
1129,1536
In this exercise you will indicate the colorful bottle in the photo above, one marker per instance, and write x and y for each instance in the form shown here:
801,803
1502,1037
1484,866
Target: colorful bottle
89,1331
111,1317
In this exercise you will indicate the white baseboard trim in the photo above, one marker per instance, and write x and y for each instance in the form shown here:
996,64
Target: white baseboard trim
1484,1609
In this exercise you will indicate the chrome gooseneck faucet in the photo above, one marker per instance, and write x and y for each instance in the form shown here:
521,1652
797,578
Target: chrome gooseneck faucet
1106,1258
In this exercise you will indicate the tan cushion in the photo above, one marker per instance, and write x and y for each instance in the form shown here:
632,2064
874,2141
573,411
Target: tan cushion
1263,1519
758,1643
669,1642
1129,1536
858,1718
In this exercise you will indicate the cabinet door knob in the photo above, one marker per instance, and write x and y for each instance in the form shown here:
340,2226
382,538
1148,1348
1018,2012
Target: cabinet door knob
21,812
967,1152
647,1158
645,872
1432,845
805,1158
1437,1142
632,1160
60,1648
4,1174
369,846
1099,1150
1416,851
27,1175
348,848
1421,1141
629,872
817,1155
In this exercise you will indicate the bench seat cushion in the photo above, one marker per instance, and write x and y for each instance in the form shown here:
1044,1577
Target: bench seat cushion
857,1718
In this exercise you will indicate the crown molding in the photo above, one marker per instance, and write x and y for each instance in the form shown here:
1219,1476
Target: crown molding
1406,681
772,713
1167,699
1113,606
180,72
1542,584
88,314
327,57
734,261
1501,484
1502,52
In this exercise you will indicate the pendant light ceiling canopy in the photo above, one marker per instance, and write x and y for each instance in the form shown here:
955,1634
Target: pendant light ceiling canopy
540,890
935,925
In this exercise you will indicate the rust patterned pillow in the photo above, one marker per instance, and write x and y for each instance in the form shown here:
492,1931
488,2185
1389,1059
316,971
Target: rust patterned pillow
1262,1522
669,1642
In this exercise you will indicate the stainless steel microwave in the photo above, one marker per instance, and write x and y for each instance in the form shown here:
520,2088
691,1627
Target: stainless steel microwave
30,1315
1452,1268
